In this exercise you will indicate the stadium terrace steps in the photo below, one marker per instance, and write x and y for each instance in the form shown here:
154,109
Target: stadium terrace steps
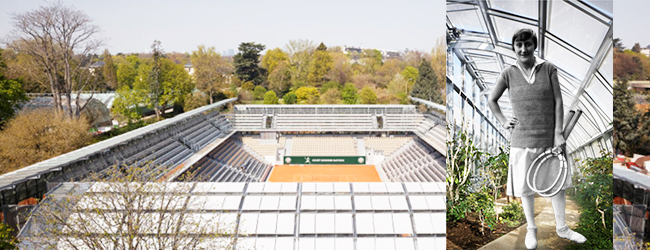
232,161
415,162
324,146
387,145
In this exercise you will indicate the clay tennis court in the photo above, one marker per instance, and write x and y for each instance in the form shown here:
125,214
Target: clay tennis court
324,173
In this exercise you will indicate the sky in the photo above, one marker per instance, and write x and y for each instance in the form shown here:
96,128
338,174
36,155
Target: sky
132,26
631,19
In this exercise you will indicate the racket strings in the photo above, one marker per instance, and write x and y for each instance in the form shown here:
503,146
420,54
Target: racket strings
547,174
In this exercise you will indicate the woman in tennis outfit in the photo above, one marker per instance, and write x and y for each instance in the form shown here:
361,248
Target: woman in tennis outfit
534,91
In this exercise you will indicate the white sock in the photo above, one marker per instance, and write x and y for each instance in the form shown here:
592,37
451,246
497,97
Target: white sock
531,238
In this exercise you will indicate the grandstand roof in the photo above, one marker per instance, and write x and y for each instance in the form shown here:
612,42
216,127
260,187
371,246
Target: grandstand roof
34,171
638,179
578,41
306,215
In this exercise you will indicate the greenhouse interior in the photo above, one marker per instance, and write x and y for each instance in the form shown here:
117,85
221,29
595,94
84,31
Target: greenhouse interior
578,42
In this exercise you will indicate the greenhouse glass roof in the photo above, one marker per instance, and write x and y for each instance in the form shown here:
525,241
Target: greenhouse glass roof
574,35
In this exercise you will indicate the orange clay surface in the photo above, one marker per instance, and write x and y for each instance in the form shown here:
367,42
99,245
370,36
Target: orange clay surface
324,173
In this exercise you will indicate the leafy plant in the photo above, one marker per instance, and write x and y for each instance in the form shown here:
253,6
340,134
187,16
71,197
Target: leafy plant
462,156
497,166
512,214
594,195
482,203
7,239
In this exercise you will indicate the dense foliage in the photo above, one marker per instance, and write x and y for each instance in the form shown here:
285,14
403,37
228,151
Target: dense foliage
594,192
11,94
7,240
39,135
473,178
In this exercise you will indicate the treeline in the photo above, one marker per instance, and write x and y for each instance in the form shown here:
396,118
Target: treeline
630,64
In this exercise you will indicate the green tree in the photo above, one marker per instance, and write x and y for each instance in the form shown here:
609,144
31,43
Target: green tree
330,85
367,96
398,86
349,94
321,47
110,76
290,98
11,94
320,65
307,95
249,86
426,87
636,48
618,44
164,82
332,96
196,99
210,70
258,93
273,58
300,52
372,60
126,106
247,63
270,97
626,120
280,78
411,75
127,71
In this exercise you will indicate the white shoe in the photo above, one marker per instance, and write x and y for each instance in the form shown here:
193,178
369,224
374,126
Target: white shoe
531,238
571,235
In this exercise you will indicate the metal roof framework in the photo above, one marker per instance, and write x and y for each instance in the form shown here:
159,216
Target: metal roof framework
358,215
575,35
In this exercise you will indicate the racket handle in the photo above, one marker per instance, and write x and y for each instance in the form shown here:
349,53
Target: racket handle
568,119
572,123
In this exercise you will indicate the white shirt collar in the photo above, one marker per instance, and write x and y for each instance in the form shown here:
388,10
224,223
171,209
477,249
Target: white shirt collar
531,79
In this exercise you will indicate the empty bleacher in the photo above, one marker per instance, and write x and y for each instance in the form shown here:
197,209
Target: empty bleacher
324,122
387,145
433,130
165,148
263,148
247,122
231,161
324,146
415,162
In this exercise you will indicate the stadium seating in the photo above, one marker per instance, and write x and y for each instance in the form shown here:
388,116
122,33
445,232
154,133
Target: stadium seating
414,161
232,161
264,149
387,145
324,146
327,122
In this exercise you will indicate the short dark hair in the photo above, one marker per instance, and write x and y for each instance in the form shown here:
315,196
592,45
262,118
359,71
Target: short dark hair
523,35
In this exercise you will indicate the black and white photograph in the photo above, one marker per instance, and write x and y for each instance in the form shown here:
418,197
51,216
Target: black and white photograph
529,108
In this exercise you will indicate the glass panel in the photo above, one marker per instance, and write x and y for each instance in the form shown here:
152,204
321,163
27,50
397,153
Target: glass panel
523,8
605,5
601,96
567,60
505,28
576,27
468,20
606,68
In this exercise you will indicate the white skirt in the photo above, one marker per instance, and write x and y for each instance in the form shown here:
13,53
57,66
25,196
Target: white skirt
519,163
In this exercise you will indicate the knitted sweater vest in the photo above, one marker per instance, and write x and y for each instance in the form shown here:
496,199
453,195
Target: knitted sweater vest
534,106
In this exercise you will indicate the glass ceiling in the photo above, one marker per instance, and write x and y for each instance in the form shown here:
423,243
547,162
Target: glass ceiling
575,35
